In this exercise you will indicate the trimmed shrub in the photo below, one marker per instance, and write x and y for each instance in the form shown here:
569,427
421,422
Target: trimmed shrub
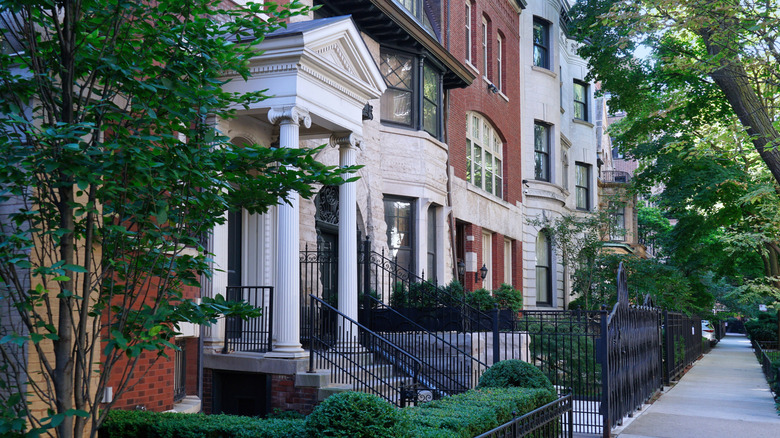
514,372
145,424
473,412
763,328
508,297
481,299
356,414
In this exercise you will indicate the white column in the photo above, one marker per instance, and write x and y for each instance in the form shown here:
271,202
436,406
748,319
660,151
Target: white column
287,301
348,266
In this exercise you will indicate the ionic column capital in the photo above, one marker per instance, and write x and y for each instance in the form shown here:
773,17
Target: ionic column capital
345,139
290,114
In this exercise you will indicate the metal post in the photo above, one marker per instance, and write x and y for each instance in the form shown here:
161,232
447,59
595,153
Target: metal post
602,355
367,281
496,338
270,318
311,334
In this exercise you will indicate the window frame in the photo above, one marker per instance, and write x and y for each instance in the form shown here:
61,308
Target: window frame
544,155
485,48
432,255
476,173
617,222
542,46
580,104
487,260
544,298
412,246
469,33
579,188
499,62
420,65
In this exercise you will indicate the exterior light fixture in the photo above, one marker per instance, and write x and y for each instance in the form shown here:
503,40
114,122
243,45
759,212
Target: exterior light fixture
482,273
461,269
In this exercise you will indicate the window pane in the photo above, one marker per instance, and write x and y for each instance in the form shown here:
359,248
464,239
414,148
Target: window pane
499,180
582,198
540,138
396,106
541,284
582,175
468,160
579,111
540,34
477,166
540,166
488,172
431,118
397,70
474,127
579,92
542,250
398,216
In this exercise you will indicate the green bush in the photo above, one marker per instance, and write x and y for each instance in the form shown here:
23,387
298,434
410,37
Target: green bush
145,424
356,414
481,299
414,295
514,372
473,412
763,328
508,297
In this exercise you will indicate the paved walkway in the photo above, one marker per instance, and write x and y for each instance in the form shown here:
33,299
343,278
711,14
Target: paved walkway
723,395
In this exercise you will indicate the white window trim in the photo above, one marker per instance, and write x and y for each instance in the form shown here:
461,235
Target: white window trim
469,34
499,63
494,147
485,48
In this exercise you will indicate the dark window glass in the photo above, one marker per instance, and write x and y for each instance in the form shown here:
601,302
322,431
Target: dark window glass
543,271
400,231
580,101
431,93
582,184
431,273
541,152
541,43
396,102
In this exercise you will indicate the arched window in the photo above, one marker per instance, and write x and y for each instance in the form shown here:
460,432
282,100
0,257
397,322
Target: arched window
484,155
543,271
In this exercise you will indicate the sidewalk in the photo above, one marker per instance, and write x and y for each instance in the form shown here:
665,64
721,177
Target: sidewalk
723,395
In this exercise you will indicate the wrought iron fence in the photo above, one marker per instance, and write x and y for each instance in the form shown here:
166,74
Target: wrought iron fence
179,372
563,345
319,277
356,356
615,176
254,334
632,356
552,420
682,343
768,353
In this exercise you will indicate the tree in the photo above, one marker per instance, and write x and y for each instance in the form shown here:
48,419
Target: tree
112,171
728,47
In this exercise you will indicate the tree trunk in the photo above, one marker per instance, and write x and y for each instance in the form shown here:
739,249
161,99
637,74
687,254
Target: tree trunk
733,80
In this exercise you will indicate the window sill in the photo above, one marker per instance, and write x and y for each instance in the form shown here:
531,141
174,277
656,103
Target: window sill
472,67
410,132
485,194
582,122
546,71
500,92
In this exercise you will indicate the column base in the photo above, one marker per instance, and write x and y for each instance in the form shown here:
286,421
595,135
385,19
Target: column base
302,354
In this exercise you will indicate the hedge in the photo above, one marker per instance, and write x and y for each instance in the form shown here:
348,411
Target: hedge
145,424
474,412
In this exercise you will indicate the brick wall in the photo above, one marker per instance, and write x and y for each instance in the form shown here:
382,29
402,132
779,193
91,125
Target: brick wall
288,397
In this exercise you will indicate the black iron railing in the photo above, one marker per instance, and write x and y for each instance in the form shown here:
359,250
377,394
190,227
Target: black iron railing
254,334
319,277
179,372
553,420
633,356
615,176
768,353
358,357
447,368
562,344
682,343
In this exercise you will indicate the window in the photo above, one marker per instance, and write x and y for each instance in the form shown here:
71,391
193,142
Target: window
617,221
541,43
400,231
420,10
484,153
484,48
582,186
565,167
499,76
469,35
580,101
487,259
430,272
507,261
541,152
543,262
411,85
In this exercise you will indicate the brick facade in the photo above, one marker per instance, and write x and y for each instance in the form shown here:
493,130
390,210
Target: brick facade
501,110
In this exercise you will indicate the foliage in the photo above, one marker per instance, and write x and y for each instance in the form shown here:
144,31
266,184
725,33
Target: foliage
698,107
507,297
474,412
356,414
414,295
481,299
515,373
113,172
577,239
121,424
566,354
668,287
763,328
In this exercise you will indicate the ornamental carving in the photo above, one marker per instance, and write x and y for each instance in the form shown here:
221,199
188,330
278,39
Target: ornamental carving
327,203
